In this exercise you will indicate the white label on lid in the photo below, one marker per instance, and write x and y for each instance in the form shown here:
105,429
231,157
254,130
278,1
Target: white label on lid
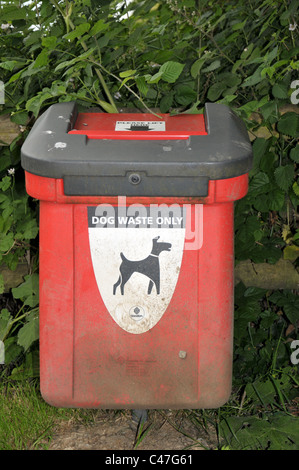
143,126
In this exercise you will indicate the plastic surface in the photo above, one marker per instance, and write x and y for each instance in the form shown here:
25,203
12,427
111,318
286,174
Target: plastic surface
136,256
136,126
177,165
89,358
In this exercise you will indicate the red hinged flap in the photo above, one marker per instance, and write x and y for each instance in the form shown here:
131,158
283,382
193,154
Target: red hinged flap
137,126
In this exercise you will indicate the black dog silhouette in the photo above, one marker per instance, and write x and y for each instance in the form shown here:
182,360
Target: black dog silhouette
149,266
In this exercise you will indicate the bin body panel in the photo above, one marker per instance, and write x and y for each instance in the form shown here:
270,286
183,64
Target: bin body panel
88,360
136,314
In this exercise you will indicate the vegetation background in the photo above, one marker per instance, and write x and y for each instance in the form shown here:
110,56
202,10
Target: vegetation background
172,56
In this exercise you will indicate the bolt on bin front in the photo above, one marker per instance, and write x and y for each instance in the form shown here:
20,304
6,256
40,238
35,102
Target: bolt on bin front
136,255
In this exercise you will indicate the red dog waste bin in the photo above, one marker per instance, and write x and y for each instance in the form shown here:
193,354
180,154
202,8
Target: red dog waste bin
136,255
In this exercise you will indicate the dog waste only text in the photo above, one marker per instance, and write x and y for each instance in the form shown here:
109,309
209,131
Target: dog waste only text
137,216
133,221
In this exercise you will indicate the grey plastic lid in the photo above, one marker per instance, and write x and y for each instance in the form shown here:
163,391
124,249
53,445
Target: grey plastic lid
99,167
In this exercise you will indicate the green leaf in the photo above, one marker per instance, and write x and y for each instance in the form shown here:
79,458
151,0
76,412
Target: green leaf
279,432
296,188
29,332
28,369
98,27
5,183
196,66
269,110
258,235
250,107
166,102
125,80
280,91
10,13
247,228
291,308
69,63
34,37
254,79
213,66
273,200
42,59
262,391
49,42
12,349
258,183
28,291
11,64
216,90
289,302
268,71
1,284
6,241
229,79
15,76
239,25
78,31
5,323
254,293
276,199
267,163
247,51
171,71
154,78
291,252
20,117
35,103
29,230
193,109
271,55
289,124
259,147
237,65
284,176
127,73
261,203
185,95
294,154
141,85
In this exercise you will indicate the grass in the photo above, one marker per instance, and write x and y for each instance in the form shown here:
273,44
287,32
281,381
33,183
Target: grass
27,422
262,416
